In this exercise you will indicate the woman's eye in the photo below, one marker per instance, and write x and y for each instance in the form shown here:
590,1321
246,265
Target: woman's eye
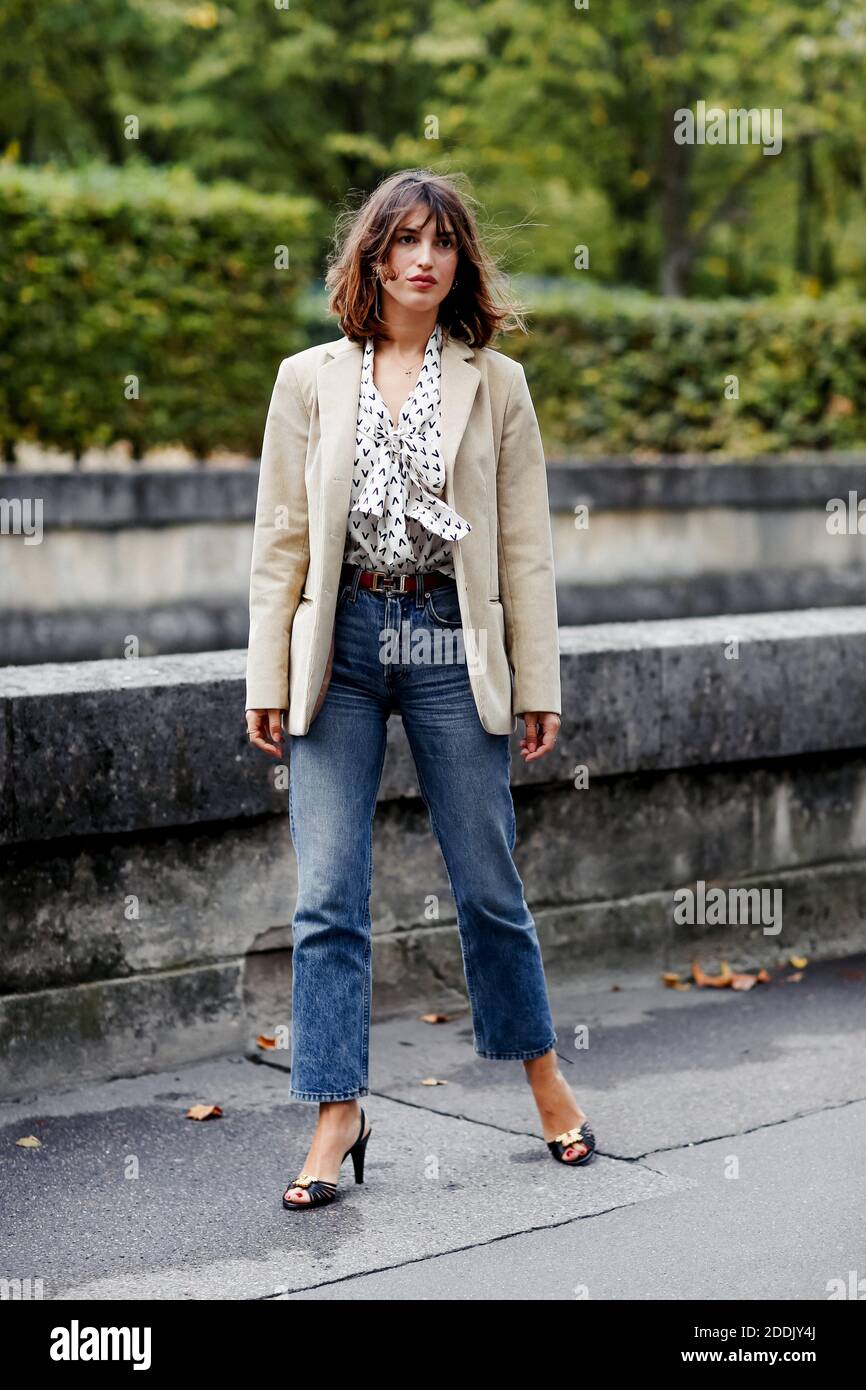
446,242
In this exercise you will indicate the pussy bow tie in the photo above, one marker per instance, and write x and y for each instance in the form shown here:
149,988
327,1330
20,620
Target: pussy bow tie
406,483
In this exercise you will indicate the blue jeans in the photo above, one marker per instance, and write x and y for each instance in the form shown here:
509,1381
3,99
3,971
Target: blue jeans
464,777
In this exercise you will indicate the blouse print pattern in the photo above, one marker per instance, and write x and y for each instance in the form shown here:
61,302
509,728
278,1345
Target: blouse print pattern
398,520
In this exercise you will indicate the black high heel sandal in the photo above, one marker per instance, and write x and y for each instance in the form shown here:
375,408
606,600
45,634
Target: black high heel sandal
322,1192
581,1134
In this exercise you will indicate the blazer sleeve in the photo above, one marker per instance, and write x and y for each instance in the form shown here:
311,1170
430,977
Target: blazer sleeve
281,544
525,552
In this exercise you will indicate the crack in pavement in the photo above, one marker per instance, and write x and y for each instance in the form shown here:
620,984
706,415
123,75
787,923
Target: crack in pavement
605,1153
752,1129
550,1225
437,1254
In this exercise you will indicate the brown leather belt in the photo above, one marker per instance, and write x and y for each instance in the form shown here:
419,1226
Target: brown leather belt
380,581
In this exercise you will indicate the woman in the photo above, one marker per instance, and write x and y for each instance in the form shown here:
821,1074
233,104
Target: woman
406,567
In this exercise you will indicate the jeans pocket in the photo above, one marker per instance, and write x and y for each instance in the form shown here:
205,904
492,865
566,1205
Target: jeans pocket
443,605
342,597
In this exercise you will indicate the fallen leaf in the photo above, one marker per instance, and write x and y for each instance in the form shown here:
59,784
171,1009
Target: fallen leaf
798,962
436,1018
615,988
743,981
672,981
433,1081
705,981
203,1112
31,1142
265,1042
763,977
793,979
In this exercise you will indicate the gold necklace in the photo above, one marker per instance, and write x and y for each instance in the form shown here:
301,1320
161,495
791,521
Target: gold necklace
407,371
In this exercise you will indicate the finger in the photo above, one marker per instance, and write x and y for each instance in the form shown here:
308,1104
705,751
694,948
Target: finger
275,726
549,733
549,725
258,731
530,741
257,741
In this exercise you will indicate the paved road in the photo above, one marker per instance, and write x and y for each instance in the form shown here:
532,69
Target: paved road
731,1127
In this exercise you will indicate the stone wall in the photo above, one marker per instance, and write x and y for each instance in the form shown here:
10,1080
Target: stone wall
164,555
147,874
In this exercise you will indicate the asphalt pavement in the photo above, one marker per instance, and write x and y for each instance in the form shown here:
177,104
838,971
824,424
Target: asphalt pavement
731,1135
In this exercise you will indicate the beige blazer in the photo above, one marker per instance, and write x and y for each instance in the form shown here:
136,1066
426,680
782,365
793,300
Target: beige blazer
495,477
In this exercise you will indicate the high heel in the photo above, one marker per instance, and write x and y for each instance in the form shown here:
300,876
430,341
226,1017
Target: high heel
322,1192
581,1134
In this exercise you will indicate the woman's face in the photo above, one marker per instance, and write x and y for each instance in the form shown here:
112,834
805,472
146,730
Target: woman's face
423,263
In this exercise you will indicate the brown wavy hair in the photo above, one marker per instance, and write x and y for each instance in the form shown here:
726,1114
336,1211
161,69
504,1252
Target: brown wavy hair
476,310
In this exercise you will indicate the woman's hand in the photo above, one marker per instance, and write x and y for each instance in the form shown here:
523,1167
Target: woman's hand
536,744
265,729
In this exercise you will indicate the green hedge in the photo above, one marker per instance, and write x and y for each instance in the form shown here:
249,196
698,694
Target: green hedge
620,372
107,273
624,373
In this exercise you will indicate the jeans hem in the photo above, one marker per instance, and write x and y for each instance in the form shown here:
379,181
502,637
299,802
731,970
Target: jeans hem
516,1056
328,1095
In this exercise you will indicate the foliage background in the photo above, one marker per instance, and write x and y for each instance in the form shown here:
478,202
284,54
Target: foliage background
155,255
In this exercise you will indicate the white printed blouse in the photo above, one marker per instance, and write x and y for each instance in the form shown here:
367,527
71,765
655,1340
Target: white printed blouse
398,520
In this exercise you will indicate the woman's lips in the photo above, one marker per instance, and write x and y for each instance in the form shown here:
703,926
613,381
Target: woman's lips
423,282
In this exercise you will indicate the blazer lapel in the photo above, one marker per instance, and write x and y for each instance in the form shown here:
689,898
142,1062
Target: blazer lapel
338,384
459,383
